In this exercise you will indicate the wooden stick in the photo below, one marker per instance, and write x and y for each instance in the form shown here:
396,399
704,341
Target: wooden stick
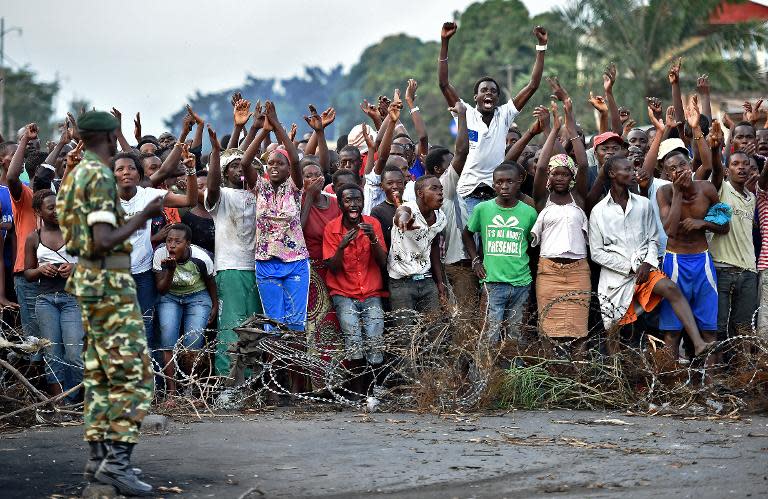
24,381
44,402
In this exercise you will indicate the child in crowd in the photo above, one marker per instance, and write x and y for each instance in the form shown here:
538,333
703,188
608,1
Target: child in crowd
504,225
188,298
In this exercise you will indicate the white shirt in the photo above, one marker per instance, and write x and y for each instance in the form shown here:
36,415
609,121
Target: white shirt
455,210
652,190
410,251
141,240
621,241
561,230
235,217
486,145
373,194
409,193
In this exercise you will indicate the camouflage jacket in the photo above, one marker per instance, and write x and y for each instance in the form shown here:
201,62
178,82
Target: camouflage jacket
88,195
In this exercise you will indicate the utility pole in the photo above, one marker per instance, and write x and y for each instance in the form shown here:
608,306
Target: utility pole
4,32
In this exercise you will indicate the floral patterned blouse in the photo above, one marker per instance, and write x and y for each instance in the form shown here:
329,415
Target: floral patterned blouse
278,222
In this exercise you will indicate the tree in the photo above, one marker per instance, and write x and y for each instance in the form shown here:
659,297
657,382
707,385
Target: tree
28,100
645,37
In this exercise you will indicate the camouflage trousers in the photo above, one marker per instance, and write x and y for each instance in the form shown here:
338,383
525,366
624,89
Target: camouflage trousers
117,374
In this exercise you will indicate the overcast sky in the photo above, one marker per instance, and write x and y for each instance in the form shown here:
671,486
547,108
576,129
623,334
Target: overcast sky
149,56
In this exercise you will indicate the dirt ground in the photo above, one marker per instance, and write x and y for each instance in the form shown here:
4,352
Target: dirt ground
346,454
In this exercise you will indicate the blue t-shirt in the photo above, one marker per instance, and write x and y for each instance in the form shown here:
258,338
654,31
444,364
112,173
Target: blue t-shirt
6,216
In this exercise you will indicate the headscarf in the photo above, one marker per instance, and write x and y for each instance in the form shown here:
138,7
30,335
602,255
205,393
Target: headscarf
229,156
284,153
564,161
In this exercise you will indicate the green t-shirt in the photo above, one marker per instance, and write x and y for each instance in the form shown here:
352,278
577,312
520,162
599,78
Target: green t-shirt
505,233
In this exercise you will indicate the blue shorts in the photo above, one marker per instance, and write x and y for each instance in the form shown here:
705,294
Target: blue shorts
695,276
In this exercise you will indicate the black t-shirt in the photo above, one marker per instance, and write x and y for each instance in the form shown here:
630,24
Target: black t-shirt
385,214
203,231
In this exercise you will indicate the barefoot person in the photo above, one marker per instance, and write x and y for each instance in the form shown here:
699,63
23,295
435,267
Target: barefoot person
117,377
623,238
683,207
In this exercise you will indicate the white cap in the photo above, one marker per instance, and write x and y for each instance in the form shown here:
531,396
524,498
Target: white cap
670,145
356,138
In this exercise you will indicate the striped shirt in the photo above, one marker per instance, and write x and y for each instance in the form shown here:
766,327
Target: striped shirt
762,217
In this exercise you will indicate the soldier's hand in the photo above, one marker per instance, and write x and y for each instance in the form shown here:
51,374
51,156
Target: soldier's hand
154,208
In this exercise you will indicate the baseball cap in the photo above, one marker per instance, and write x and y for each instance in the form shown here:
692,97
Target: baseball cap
356,138
670,145
606,136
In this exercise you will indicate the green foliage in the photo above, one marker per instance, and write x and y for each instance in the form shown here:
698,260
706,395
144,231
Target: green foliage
27,100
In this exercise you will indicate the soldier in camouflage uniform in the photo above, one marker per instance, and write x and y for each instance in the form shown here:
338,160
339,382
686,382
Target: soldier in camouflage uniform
117,376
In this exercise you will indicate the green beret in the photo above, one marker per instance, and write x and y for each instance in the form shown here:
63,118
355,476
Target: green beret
97,121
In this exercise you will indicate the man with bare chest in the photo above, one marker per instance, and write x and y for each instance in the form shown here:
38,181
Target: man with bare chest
684,206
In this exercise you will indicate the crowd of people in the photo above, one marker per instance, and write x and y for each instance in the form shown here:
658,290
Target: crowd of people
668,222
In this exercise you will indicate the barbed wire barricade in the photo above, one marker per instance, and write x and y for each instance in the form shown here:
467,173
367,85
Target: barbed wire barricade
433,362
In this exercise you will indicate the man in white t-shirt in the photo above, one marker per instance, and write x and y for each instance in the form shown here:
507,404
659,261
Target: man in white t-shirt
487,122
234,213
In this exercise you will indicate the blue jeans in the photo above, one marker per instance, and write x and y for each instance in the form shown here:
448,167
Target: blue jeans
26,294
284,291
191,311
505,308
146,294
362,323
62,323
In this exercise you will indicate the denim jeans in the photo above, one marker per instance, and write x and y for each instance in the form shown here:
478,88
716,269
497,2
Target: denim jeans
190,311
26,293
62,323
284,291
407,297
505,309
146,294
737,301
471,203
362,323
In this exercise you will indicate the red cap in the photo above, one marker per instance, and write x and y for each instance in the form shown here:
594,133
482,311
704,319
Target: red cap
606,136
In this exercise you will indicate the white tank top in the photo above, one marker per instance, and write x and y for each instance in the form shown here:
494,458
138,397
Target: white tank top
48,255
561,230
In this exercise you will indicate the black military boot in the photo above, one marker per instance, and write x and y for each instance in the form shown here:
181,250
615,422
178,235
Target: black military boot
98,451
116,470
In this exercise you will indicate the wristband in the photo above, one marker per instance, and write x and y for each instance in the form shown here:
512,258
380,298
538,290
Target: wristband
443,60
699,137
475,260
190,172
375,242
415,108
541,48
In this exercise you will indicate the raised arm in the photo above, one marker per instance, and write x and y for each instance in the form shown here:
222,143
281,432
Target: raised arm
256,125
677,98
170,166
461,148
538,69
579,152
702,88
318,123
66,136
598,102
213,182
609,79
650,161
448,30
186,126
124,145
693,116
137,127
290,148
370,159
540,192
715,141
173,200
200,125
386,142
372,112
241,114
17,160
539,125
418,121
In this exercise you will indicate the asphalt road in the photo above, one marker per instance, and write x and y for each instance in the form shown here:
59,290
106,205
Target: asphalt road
349,454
